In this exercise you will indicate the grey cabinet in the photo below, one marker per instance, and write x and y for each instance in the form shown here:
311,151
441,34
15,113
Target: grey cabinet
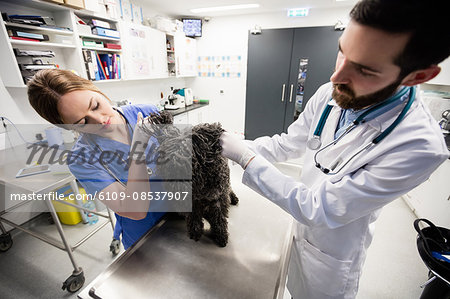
285,68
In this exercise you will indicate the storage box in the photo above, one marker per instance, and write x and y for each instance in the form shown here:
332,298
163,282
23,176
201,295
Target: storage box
74,3
93,44
84,29
63,39
55,1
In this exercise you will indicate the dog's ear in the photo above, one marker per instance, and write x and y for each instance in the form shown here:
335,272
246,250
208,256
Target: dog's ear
166,117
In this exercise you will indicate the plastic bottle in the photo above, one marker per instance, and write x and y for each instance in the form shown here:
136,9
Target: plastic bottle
91,217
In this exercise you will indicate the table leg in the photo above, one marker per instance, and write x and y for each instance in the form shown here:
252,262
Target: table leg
76,191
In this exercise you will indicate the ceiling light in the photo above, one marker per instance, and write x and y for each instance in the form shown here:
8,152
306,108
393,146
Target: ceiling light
221,8
298,12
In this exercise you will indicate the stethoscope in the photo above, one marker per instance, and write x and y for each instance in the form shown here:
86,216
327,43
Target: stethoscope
314,142
105,166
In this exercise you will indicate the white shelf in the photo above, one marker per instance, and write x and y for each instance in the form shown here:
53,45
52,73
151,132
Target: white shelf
40,44
38,4
107,81
92,14
102,49
92,36
64,32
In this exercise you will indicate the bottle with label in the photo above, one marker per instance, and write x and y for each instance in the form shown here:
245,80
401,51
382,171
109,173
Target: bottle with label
91,217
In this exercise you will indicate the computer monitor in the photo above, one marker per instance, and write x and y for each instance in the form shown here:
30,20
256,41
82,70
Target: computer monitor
192,27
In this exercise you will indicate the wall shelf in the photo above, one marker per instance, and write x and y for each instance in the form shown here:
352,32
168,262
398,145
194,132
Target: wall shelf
159,61
40,44
92,14
44,29
101,49
92,36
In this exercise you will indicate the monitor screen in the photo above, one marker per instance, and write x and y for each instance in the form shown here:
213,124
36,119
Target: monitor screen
192,27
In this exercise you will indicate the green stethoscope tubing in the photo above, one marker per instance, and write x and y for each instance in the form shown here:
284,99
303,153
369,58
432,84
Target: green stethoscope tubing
314,142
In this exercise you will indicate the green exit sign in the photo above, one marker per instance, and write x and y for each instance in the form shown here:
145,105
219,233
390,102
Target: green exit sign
298,12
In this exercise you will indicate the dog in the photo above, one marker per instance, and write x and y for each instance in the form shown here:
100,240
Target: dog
194,154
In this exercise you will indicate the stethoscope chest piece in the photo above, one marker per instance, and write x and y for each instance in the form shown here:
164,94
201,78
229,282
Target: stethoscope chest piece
314,142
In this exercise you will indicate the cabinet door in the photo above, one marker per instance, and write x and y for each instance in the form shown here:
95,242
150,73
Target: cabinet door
269,57
138,51
181,119
185,55
157,53
313,60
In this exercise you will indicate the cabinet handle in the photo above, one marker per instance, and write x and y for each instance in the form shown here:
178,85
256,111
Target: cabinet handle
290,96
282,93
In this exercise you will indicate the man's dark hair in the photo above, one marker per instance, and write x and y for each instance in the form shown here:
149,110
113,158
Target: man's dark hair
426,21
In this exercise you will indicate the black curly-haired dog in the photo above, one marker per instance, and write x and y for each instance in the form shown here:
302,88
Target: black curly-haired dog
197,151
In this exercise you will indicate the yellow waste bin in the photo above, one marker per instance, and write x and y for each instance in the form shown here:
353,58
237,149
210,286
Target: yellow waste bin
68,214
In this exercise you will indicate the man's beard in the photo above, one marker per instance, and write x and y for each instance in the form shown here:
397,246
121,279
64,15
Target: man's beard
346,97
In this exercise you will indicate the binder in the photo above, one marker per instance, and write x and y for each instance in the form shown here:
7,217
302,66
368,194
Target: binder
105,32
101,70
107,64
23,34
89,65
94,64
99,23
119,69
23,38
36,67
114,66
34,53
106,68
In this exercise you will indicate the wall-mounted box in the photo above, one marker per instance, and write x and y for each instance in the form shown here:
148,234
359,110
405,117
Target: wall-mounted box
74,3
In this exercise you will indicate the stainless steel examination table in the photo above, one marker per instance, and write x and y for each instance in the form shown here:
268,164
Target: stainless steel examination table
165,263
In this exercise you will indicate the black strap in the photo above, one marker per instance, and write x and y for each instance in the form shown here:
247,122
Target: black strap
441,243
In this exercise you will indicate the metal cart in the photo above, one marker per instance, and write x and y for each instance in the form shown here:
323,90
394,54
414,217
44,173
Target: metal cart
43,184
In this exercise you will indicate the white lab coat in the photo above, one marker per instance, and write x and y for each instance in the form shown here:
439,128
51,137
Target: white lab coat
335,213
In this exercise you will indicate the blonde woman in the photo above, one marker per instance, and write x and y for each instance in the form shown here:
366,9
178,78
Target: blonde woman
108,159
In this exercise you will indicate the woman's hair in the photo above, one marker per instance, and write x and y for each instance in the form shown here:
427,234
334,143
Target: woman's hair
48,86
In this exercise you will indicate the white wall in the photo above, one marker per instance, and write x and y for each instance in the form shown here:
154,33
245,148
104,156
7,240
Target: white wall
229,36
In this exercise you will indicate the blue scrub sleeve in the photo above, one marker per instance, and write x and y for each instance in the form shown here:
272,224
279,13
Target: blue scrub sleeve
93,178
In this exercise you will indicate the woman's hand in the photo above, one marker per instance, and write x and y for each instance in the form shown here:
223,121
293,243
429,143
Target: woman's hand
141,136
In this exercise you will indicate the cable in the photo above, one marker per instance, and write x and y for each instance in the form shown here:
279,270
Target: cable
6,132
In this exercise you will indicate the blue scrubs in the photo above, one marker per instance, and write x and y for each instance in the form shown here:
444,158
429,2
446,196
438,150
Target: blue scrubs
92,175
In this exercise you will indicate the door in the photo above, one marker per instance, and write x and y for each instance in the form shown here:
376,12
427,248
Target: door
269,60
312,64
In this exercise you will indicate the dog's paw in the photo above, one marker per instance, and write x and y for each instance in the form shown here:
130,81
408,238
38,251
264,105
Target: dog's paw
220,240
195,236
233,198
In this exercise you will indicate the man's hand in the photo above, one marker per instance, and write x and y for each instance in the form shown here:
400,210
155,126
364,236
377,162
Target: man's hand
236,150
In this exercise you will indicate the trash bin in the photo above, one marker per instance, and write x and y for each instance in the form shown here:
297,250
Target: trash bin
433,243
67,214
